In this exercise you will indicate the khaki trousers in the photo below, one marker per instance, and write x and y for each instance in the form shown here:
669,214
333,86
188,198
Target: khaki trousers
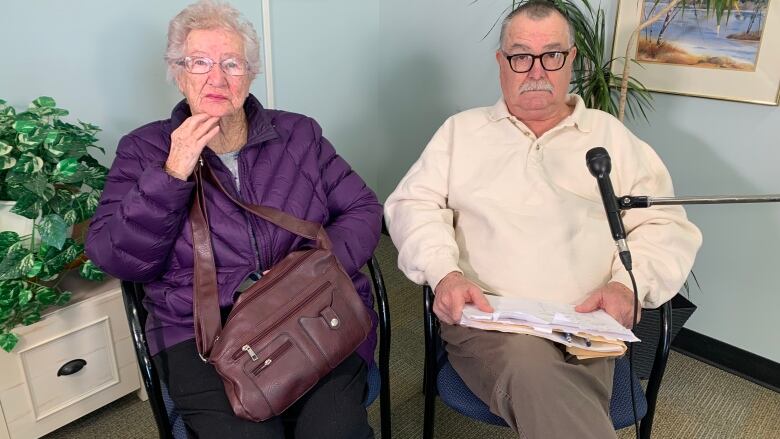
533,384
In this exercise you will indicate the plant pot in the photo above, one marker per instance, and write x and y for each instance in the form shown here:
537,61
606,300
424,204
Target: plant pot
648,331
12,222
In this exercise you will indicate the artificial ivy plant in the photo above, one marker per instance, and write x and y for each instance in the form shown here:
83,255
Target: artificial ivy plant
47,169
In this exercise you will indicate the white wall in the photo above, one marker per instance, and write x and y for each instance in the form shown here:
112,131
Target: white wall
324,56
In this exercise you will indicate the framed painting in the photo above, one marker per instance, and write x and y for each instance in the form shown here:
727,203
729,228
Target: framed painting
686,52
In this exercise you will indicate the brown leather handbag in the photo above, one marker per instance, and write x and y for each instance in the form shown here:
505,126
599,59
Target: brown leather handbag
287,330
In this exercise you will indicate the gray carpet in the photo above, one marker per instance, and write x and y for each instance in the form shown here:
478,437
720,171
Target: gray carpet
696,400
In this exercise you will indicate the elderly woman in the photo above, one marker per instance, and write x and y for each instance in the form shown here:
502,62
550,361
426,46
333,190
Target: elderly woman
271,158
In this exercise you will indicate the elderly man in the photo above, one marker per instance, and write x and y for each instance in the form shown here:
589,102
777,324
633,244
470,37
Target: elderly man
501,201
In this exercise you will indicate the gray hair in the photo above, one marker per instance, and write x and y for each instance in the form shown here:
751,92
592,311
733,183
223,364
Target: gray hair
535,10
210,14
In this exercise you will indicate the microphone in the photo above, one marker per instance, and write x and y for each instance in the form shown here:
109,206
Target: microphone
600,165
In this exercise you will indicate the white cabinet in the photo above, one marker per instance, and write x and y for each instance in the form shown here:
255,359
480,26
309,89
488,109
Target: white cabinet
38,395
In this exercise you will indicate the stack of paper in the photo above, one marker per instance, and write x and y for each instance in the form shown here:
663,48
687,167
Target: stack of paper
586,335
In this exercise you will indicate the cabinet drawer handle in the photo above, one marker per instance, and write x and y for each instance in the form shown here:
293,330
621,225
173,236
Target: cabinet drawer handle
71,367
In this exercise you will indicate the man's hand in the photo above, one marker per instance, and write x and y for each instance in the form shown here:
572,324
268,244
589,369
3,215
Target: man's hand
614,298
452,293
187,142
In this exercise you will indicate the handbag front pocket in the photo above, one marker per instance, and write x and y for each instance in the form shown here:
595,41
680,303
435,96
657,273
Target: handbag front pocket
279,370
334,339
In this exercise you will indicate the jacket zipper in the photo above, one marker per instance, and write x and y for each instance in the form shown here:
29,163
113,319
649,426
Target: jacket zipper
276,354
304,302
249,215
277,278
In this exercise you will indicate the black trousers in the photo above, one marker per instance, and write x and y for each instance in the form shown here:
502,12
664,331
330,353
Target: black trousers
332,409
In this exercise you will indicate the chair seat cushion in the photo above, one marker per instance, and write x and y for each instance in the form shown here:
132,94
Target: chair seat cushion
374,382
620,409
456,395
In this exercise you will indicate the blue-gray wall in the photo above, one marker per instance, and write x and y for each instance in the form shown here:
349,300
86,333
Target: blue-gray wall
381,76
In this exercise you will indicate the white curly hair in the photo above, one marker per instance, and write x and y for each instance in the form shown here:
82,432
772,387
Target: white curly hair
210,14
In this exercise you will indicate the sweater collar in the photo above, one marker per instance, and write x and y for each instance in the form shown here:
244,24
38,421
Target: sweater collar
579,118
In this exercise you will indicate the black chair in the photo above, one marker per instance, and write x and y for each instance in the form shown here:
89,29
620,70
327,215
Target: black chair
171,426
442,380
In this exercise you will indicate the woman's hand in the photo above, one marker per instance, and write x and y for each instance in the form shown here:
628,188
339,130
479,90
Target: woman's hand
187,142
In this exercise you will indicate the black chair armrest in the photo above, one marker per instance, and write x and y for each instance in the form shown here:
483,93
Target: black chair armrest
383,309
132,294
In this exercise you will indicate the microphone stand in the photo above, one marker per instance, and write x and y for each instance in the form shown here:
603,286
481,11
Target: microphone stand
631,202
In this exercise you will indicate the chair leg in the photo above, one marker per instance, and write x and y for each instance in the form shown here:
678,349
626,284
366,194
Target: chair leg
383,307
657,373
429,372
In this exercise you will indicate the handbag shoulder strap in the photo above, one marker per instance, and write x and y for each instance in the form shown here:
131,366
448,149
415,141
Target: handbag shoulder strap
205,302
205,294
300,227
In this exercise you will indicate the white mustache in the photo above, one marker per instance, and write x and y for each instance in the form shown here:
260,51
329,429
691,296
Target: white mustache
540,85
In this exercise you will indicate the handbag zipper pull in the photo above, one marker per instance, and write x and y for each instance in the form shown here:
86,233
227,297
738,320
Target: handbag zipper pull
248,349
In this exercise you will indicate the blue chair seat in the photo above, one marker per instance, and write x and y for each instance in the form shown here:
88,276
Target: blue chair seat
456,395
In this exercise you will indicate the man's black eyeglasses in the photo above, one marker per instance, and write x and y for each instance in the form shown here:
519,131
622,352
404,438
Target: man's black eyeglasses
524,62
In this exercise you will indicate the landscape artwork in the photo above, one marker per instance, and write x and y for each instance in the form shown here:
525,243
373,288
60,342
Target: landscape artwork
690,36
689,51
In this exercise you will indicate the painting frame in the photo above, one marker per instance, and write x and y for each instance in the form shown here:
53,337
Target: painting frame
760,86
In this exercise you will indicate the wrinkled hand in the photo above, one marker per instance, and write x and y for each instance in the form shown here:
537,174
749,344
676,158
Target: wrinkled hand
615,299
187,142
452,293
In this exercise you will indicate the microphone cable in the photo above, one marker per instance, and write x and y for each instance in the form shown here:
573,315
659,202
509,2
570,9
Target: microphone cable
631,352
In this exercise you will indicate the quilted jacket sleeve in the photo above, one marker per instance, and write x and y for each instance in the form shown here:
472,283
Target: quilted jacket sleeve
140,214
354,211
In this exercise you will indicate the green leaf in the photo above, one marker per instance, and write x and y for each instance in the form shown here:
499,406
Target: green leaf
56,151
12,265
83,208
29,163
35,269
38,185
7,162
63,298
8,296
5,148
44,101
7,239
26,143
27,263
46,296
54,261
25,126
90,271
53,230
28,205
66,171
7,313
60,201
31,317
51,137
24,297
8,341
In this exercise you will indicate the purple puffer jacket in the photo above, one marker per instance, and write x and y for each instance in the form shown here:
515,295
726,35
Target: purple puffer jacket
141,231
